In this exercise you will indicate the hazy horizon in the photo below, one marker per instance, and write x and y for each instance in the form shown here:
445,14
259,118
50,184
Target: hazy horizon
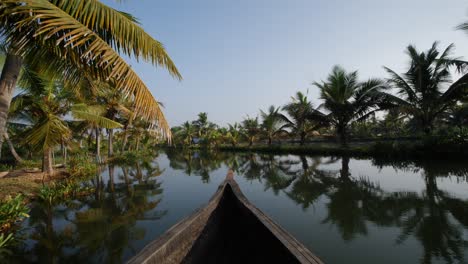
237,57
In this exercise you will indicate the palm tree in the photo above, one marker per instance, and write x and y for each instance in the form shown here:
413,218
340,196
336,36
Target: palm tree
251,128
201,124
213,137
421,92
348,100
42,105
114,107
89,40
303,117
271,124
234,134
186,132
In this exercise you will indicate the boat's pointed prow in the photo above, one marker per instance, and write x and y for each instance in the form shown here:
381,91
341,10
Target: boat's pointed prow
230,175
252,237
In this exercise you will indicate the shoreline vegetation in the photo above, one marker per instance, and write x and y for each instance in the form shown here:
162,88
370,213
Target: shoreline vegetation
399,149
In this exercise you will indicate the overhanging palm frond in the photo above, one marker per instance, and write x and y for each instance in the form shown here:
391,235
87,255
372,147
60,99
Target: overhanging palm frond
400,82
47,133
119,30
86,49
93,114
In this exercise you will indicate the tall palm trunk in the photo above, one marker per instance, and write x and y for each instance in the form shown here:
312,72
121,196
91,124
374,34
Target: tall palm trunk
303,136
137,147
125,138
98,144
63,148
10,73
12,148
47,165
341,129
110,143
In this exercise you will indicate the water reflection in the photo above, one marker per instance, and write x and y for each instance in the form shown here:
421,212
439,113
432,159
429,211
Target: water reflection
113,224
98,228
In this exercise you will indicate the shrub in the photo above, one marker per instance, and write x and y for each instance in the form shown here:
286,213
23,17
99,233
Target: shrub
82,165
12,211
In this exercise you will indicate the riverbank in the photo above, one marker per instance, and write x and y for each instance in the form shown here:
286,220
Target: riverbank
26,182
386,149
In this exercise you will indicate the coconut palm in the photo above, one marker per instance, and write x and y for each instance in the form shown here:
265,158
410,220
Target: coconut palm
234,134
186,132
214,137
421,89
348,100
251,128
89,40
303,118
42,105
113,106
201,124
272,123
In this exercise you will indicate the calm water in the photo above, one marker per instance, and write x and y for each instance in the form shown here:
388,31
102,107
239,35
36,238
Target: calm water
345,210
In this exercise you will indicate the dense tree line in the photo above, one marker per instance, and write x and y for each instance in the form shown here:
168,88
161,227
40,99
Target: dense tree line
422,101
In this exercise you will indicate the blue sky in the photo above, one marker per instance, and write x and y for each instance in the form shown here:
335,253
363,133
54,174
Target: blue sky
239,56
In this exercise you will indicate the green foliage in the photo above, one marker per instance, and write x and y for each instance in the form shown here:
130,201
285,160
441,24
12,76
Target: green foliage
6,167
82,165
12,211
132,157
425,90
303,118
5,242
452,137
59,192
29,164
349,100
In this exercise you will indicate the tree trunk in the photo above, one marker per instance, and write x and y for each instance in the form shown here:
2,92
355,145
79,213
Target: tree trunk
303,135
90,139
110,147
137,146
98,145
269,140
251,140
10,73
342,134
12,148
47,165
125,138
63,148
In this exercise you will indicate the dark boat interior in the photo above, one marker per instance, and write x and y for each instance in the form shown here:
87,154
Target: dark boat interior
233,234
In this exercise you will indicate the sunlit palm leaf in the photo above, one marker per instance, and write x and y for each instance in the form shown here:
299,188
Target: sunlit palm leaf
47,133
93,114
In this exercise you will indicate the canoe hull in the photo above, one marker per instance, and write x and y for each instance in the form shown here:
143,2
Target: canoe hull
229,229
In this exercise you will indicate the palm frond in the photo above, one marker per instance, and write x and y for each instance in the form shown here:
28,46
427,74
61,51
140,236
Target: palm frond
84,48
47,133
93,114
